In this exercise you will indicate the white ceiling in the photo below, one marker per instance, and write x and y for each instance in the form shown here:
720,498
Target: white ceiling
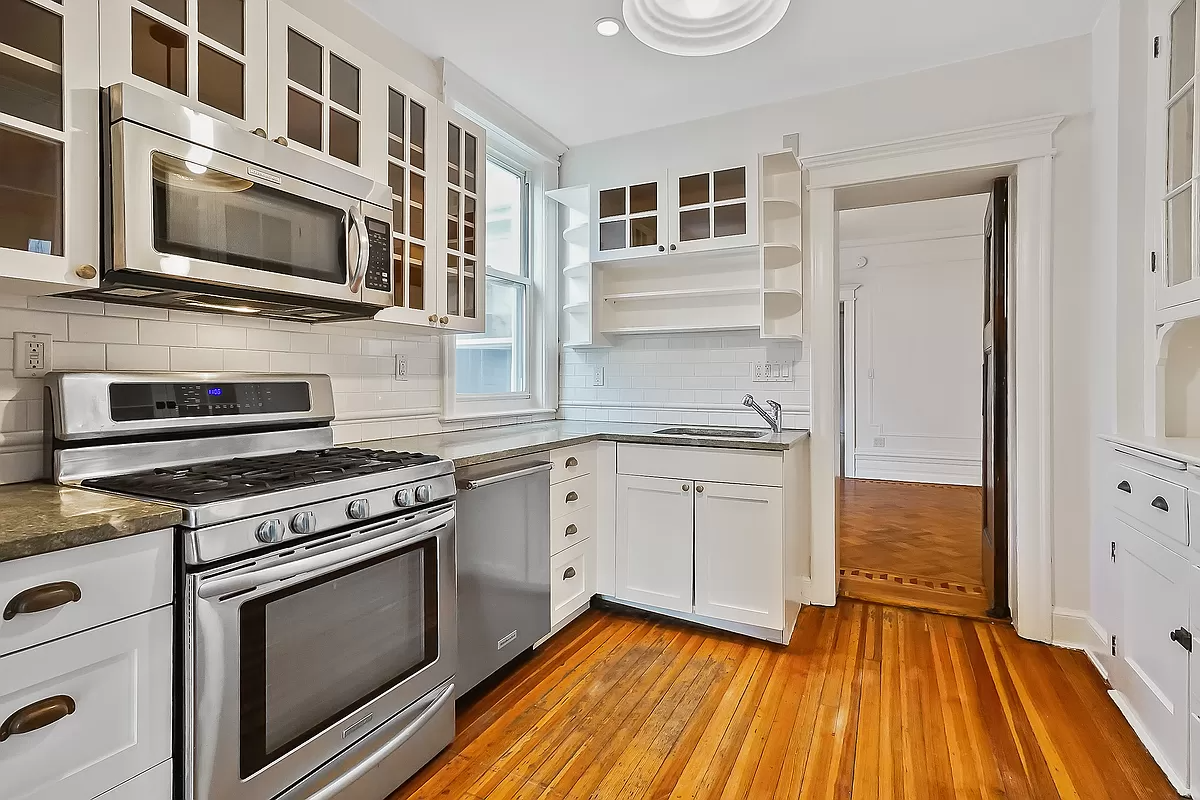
545,58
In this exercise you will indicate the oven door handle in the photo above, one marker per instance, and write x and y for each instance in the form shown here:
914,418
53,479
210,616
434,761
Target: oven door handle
344,781
342,556
364,249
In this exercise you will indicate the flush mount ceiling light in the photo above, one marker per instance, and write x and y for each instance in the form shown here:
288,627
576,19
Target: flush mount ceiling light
701,27
607,26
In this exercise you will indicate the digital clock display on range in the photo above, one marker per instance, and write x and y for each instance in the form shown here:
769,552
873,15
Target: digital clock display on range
215,391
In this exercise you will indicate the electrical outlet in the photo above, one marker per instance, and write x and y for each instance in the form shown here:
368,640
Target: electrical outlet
31,354
759,368
598,376
401,367
879,442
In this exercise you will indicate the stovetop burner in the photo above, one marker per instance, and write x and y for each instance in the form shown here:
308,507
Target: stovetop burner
235,478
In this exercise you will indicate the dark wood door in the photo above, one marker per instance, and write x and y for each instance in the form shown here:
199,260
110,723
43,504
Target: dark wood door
995,401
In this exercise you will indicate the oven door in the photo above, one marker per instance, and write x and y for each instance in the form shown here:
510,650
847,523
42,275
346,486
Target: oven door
185,211
295,656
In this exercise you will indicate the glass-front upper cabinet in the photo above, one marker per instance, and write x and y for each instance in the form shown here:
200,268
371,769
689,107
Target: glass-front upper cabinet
1173,76
49,146
464,287
318,88
210,55
713,209
630,221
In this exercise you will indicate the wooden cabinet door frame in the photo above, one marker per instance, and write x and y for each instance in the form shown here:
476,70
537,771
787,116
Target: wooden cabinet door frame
655,542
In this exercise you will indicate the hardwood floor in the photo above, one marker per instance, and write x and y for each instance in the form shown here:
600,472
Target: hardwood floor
868,702
914,545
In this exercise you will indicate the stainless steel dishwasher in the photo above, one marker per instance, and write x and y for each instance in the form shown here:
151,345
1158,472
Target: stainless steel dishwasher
503,533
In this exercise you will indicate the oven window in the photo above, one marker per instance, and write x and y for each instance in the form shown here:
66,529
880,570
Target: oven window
202,213
316,651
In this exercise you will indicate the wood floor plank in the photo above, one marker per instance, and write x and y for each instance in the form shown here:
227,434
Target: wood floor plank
867,702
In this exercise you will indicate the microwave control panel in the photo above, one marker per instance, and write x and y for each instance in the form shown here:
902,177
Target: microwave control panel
379,260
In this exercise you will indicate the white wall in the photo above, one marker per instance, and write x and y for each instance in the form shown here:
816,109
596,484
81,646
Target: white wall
1049,79
918,340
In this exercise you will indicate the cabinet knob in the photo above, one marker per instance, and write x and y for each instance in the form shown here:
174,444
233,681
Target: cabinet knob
686,487
699,490
570,573
572,530
444,320
259,132
433,319
281,140
673,248
86,271
661,248
36,716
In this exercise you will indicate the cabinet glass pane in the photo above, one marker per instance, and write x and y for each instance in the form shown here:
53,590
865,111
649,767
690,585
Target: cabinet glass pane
470,157
32,30
1179,141
159,53
223,21
1179,238
643,198
396,124
304,119
453,201
399,284
729,184
469,225
31,205
417,136
343,137
612,203
175,9
396,181
693,190
220,81
452,267
416,276
729,220
343,83
304,61
469,289
693,225
30,92
612,235
416,205
643,231
1183,45
453,155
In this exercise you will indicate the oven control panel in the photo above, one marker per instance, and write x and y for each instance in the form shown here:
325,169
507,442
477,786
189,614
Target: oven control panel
145,401
379,260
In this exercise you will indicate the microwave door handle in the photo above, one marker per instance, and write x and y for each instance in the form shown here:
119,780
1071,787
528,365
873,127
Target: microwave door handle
341,556
364,249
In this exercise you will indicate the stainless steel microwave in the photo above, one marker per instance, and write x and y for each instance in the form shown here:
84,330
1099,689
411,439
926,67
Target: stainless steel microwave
209,217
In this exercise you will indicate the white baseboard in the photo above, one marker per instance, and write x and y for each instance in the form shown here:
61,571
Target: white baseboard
917,467
1076,630
1135,722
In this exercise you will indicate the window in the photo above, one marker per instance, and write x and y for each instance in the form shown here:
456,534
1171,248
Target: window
493,363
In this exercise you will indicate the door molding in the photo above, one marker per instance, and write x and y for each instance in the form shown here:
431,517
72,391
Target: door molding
848,298
1025,150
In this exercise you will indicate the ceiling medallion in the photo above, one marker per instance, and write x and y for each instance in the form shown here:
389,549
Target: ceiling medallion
701,27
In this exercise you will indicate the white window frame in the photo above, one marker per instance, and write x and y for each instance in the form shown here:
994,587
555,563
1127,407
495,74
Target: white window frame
541,295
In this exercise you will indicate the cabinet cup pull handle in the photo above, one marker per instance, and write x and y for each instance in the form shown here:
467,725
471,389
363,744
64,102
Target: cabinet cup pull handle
43,598
572,497
572,462
572,530
1160,503
36,716
259,132
1125,487
570,573
281,140
686,487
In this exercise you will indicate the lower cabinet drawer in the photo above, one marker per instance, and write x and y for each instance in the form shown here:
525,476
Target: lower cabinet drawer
153,784
571,529
572,580
571,495
1158,503
96,708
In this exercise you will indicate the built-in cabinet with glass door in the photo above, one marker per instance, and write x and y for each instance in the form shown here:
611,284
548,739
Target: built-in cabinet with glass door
463,281
49,145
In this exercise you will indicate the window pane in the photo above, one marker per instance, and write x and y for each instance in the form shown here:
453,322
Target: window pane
493,362
505,194
159,53
1183,45
304,61
219,81
224,21
1179,238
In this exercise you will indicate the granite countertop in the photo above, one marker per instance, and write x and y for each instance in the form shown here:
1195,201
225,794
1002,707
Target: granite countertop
466,448
38,518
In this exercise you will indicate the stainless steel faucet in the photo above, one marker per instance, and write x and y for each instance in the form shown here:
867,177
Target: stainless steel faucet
774,417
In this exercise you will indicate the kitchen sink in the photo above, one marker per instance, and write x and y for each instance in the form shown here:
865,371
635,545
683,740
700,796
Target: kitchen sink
713,433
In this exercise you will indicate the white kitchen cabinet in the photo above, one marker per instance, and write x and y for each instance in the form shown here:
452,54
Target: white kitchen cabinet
153,784
49,146
654,542
630,220
713,209
572,580
463,287
739,553
209,55
324,96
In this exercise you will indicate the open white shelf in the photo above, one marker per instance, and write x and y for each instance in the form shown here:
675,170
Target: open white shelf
579,234
573,270
781,255
781,163
781,205
681,294
578,307
576,198
781,249
660,329
578,320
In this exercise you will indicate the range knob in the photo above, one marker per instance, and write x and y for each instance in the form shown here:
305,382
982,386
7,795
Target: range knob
304,522
404,498
358,509
270,532
424,493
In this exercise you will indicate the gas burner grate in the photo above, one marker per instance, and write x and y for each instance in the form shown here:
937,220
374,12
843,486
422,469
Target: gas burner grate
235,478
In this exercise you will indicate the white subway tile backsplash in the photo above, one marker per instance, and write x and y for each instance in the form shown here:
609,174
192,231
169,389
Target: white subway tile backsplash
177,334
197,359
138,357
290,362
66,305
135,312
18,319
77,356
276,341
107,330
247,361
224,336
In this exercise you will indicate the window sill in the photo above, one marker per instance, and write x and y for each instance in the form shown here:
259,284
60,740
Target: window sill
467,415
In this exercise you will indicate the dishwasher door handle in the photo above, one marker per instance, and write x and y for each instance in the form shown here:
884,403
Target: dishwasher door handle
491,480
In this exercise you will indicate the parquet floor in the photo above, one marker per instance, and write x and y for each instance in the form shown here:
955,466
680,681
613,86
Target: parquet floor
868,702
912,544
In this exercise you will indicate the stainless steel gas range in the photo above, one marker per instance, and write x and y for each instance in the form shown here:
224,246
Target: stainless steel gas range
316,583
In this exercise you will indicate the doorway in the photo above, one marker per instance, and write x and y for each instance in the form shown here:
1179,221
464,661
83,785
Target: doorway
912,321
